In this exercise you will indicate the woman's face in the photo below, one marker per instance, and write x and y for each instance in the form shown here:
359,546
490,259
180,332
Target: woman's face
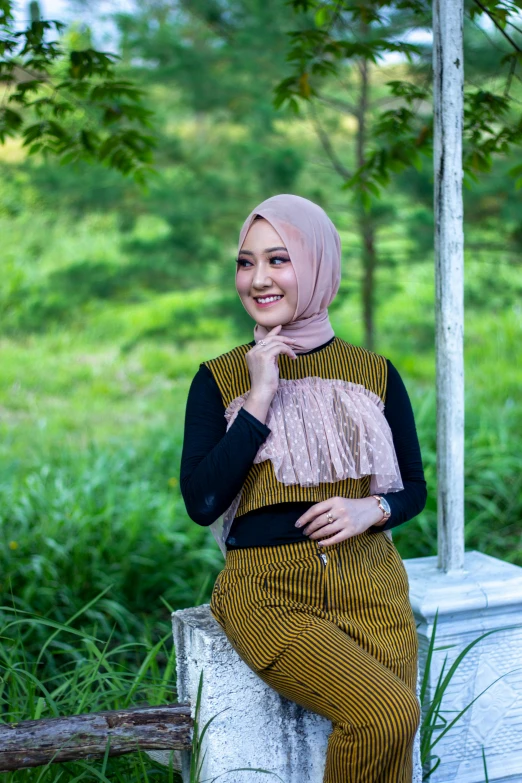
264,270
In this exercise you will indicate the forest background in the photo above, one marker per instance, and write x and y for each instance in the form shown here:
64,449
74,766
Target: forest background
111,296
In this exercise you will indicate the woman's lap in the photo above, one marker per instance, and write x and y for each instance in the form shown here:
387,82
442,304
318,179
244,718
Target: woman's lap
325,671
269,598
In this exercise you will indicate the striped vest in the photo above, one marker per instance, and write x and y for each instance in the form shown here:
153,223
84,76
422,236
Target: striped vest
338,360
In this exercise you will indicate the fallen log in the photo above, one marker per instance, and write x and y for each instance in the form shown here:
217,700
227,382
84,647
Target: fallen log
32,743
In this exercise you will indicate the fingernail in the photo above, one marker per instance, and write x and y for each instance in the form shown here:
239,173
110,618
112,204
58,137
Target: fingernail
298,524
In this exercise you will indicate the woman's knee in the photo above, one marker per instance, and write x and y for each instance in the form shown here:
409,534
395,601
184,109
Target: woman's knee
394,715
402,715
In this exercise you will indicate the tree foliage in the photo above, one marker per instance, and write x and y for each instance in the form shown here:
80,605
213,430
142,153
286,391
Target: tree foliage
65,98
330,38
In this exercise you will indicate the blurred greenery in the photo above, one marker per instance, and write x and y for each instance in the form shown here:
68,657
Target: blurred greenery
110,297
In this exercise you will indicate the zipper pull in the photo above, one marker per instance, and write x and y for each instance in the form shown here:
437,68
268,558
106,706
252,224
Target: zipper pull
323,558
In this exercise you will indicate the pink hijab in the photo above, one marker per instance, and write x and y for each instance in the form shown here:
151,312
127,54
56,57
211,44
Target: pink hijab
314,246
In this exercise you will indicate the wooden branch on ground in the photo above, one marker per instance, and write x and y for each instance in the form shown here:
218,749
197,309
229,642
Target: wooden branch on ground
33,743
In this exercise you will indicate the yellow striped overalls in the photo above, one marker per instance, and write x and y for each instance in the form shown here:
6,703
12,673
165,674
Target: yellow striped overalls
330,628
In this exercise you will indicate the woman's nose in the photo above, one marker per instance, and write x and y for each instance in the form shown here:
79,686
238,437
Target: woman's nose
261,277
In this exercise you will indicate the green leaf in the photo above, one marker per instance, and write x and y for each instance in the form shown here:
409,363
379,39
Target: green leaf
321,16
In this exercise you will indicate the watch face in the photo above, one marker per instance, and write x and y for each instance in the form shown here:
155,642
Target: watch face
386,505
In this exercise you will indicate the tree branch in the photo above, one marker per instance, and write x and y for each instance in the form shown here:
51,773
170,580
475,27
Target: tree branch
33,743
497,25
327,146
344,106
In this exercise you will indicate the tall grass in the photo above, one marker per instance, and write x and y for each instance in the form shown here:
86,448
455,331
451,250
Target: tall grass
106,520
90,671
92,676
434,724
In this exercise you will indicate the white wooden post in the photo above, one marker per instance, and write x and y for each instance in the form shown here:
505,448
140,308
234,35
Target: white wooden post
469,592
449,278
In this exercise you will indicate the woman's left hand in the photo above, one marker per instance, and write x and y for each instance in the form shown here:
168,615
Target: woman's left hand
351,516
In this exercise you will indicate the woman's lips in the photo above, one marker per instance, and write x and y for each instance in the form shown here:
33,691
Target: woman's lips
268,304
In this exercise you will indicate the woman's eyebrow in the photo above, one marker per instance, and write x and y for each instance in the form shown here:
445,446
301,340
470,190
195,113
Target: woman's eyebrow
267,250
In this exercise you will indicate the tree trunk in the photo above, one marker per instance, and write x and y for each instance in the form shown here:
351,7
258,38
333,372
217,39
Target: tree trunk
366,224
36,742
369,263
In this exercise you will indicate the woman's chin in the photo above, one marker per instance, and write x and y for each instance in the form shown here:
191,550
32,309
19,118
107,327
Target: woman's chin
272,319
269,323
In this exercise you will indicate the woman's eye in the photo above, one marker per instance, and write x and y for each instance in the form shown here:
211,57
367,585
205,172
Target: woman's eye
243,261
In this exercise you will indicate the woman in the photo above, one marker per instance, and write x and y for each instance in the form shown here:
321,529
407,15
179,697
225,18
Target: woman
306,446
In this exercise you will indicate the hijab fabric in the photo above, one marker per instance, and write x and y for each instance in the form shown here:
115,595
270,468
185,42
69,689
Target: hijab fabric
314,246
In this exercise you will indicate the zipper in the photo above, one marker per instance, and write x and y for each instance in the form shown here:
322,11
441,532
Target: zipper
324,558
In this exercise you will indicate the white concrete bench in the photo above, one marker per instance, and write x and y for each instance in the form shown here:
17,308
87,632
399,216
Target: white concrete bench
258,728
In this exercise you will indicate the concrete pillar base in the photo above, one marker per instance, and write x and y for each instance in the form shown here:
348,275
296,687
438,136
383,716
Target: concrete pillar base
485,596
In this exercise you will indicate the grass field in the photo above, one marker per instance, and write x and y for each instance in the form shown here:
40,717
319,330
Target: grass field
98,547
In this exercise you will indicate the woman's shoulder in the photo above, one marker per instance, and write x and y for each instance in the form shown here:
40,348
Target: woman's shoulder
230,372
361,353
228,357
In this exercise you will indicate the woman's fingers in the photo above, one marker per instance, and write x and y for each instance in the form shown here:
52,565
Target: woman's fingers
323,507
274,332
336,539
326,532
318,526
288,350
277,347
262,361
268,340
273,341
276,342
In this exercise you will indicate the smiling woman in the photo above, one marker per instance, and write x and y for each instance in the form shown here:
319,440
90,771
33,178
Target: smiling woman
300,452
265,278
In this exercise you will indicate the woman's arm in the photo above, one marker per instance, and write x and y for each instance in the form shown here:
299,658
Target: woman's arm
399,414
214,461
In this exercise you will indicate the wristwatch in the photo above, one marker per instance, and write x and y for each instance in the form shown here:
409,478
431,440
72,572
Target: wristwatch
385,508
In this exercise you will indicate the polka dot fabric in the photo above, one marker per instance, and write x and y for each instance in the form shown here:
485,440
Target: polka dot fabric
326,430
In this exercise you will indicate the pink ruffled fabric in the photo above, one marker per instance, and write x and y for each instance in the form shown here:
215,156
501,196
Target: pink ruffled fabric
326,430
322,430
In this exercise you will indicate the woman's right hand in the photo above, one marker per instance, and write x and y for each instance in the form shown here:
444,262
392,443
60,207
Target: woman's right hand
264,371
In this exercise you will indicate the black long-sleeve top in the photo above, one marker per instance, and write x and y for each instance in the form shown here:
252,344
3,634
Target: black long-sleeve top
215,463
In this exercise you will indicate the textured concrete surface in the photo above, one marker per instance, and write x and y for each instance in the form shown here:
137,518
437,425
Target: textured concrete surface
255,727
485,596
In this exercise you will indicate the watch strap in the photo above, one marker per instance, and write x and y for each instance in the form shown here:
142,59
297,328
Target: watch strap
385,514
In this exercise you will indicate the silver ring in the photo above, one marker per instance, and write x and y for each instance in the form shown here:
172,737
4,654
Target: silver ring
261,342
